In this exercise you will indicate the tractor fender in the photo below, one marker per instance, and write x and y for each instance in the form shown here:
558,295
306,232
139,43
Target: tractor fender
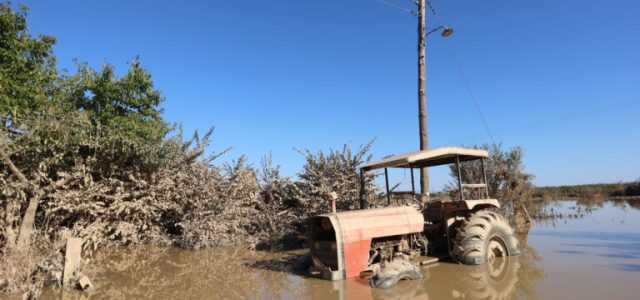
482,203
470,205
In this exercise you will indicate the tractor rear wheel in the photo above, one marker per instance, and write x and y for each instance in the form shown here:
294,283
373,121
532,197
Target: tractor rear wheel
483,237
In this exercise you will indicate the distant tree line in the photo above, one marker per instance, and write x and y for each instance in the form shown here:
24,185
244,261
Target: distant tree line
621,189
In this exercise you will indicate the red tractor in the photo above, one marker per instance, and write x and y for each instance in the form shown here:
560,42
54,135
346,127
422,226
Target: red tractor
385,244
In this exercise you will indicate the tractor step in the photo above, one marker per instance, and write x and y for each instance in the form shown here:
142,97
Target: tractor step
428,260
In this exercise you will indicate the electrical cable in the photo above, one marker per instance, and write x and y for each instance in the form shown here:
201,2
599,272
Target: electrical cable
473,96
566,117
464,78
575,115
388,3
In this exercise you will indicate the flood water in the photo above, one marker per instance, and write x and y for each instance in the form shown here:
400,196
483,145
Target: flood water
592,253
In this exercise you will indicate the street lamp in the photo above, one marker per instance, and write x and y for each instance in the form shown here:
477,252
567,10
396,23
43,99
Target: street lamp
445,33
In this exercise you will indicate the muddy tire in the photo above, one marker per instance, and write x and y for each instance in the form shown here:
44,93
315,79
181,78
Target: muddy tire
482,237
394,271
302,263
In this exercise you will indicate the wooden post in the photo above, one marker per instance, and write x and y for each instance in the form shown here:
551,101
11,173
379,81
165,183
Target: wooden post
422,95
363,191
459,178
386,183
72,260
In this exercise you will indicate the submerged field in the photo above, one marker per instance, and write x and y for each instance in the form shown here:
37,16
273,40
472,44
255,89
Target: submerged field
591,252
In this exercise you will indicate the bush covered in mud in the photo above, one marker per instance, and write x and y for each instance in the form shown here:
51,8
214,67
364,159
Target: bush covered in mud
506,179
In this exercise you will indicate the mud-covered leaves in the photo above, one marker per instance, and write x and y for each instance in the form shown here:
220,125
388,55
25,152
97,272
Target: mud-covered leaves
507,179
335,171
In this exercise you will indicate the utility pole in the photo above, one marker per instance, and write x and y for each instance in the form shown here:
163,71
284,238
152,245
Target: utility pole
422,94
422,80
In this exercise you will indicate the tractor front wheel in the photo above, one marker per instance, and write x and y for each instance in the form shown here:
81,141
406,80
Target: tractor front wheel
392,272
483,237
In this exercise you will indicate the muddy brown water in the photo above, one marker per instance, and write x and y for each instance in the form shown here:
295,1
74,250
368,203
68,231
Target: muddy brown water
592,254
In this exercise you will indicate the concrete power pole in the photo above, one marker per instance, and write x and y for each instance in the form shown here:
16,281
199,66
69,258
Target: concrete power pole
422,94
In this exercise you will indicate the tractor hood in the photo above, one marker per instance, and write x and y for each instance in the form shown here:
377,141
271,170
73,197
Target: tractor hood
366,224
340,242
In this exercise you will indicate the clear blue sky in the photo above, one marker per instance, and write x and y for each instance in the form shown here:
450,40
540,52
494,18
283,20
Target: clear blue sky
560,78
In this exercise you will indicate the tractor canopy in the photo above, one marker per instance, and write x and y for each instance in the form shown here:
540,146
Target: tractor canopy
427,158
431,158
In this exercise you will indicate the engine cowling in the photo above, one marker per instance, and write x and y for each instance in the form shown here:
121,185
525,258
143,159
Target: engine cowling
340,242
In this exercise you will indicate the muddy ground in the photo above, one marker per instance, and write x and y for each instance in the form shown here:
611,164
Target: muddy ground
593,252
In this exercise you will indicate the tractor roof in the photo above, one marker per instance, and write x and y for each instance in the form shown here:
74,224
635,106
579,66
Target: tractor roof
427,158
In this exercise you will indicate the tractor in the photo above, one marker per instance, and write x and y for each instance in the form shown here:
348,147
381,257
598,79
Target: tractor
386,244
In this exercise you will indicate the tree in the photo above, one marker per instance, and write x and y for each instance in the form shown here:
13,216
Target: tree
27,83
28,73
52,124
125,115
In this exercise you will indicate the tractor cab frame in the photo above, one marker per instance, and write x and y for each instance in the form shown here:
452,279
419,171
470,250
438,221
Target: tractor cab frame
432,158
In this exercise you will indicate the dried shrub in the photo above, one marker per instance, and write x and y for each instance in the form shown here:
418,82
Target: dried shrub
336,171
107,211
282,210
220,206
506,178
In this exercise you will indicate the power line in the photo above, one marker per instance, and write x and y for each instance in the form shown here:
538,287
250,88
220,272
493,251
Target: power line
566,117
473,96
391,4
433,11
576,115
535,123
464,77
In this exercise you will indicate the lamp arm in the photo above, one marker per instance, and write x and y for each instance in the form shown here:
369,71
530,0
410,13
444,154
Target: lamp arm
434,30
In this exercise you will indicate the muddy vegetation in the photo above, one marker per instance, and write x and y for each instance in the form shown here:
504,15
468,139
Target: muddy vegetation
506,179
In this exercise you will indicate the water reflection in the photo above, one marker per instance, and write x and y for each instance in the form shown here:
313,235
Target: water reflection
505,278
441,281
234,273
599,202
490,281
530,274
627,267
164,273
633,202
602,247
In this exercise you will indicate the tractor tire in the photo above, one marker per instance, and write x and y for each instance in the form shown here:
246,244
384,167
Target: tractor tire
482,237
394,271
302,263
